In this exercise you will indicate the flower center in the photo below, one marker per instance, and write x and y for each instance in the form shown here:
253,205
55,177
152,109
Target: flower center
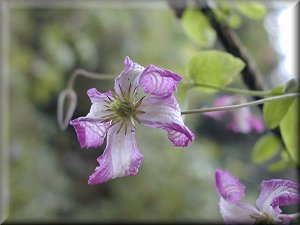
123,110
262,219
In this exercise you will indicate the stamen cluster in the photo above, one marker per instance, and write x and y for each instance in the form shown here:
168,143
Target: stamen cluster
123,108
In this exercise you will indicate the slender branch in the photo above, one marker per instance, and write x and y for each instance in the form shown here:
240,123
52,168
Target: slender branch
68,97
237,106
236,90
85,73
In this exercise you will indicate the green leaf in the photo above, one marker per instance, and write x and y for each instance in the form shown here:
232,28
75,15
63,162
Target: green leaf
273,112
233,20
228,17
289,128
265,148
280,166
253,10
278,90
197,28
214,68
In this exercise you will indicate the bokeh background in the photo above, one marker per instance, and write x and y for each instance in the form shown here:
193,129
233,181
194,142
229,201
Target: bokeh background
48,169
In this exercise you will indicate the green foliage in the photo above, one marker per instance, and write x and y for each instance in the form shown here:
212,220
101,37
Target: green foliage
227,16
253,10
273,112
279,166
283,164
265,148
291,86
289,127
197,28
214,68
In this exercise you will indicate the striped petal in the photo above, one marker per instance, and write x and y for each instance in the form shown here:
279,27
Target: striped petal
164,112
275,193
120,158
128,79
158,82
228,186
238,213
90,132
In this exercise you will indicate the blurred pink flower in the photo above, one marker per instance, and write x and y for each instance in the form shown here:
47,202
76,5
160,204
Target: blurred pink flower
274,193
242,120
113,114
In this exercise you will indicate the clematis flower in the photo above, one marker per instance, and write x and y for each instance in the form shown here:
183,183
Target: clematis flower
274,193
242,120
142,95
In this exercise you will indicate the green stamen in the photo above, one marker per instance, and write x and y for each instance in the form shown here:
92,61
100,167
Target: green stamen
123,110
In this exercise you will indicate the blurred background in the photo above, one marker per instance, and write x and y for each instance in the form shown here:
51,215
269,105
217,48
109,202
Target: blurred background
48,169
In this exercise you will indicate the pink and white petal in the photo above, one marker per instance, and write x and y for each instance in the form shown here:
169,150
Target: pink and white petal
158,82
98,100
128,77
90,132
217,115
240,120
224,101
275,193
164,112
233,126
287,218
121,156
228,186
257,124
179,134
219,102
96,96
237,213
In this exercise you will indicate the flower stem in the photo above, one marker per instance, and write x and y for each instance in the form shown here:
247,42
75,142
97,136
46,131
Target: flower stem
87,74
68,98
248,104
236,90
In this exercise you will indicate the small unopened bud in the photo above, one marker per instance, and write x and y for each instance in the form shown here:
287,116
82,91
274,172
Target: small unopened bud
291,86
67,101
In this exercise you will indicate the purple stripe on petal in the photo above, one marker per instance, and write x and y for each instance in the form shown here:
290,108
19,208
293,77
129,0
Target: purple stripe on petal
103,172
159,82
228,186
275,193
121,156
128,77
164,112
96,96
179,134
90,132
